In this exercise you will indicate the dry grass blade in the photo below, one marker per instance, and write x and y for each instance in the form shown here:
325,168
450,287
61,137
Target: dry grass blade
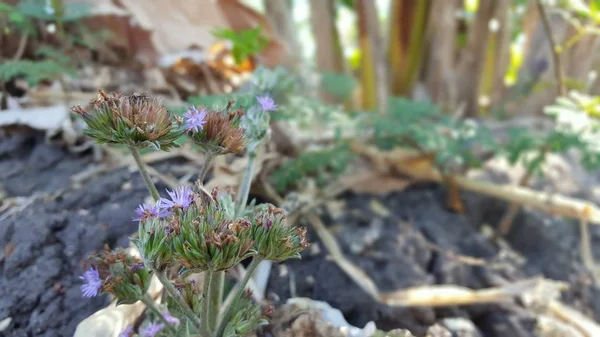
355,273
550,203
588,327
450,295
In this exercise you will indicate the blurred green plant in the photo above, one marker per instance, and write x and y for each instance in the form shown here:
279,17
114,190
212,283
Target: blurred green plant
246,43
324,166
424,127
50,62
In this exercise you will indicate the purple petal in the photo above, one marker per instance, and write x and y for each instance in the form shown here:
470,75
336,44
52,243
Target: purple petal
194,119
127,332
151,330
93,283
266,103
170,319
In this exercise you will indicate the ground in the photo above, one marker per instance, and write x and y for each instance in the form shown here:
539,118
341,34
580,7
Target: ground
59,220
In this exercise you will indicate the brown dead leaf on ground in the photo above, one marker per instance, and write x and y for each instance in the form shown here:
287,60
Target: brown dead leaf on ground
373,182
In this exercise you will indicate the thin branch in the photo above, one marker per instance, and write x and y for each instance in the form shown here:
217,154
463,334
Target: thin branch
558,72
21,49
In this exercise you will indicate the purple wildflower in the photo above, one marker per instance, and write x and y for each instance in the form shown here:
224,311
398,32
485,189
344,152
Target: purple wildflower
268,224
145,212
137,267
194,119
180,198
151,330
93,283
170,319
266,103
127,332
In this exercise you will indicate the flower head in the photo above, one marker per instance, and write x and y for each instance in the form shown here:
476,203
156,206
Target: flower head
266,103
135,120
127,332
145,212
221,131
171,319
275,239
180,198
194,119
122,275
151,330
93,283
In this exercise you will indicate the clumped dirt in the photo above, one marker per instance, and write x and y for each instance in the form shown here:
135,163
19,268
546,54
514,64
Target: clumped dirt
43,243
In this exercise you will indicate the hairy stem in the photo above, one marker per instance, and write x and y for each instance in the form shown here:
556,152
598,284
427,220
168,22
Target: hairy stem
206,300
228,311
216,295
185,308
152,306
144,173
242,197
207,161
558,72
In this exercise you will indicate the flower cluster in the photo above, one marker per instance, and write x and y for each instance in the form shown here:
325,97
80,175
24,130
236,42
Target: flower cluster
274,239
216,132
191,230
197,234
136,120
200,235
118,273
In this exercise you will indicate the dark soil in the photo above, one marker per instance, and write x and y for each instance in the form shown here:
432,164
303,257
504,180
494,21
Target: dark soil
43,244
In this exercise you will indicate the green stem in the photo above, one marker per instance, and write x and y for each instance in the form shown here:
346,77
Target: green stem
216,295
207,161
178,298
205,311
152,306
144,173
228,312
242,198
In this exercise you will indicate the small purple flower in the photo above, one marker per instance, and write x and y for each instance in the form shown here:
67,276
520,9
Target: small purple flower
266,103
151,330
127,332
137,267
268,224
194,119
180,198
93,283
170,319
145,212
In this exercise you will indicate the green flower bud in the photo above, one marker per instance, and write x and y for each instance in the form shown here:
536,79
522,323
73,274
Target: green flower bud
152,242
248,316
207,239
273,238
191,293
137,120
124,275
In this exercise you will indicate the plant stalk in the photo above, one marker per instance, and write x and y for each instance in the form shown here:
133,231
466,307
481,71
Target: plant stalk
178,298
151,305
206,300
216,295
558,71
228,311
144,173
207,161
242,197
511,213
